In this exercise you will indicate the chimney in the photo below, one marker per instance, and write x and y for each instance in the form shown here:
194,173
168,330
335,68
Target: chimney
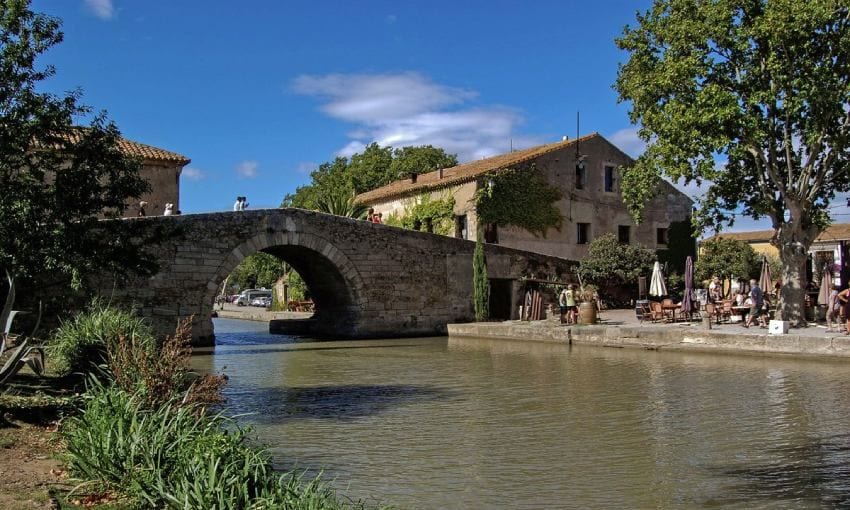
412,178
440,175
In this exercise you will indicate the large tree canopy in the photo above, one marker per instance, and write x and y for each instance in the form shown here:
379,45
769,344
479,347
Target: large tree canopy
56,179
341,179
761,84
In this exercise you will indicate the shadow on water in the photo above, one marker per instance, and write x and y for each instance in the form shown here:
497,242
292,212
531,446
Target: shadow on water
350,402
292,348
814,472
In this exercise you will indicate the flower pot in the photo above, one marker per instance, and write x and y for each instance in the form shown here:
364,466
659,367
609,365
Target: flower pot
587,313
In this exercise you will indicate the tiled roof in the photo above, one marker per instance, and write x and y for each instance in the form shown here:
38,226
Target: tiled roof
836,232
150,152
463,173
141,150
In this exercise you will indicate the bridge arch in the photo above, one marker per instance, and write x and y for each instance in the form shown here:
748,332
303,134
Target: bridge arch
335,284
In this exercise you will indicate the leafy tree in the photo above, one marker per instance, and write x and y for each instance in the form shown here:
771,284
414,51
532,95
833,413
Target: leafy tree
480,283
376,166
418,160
724,257
56,178
610,263
762,84
259,270
370,169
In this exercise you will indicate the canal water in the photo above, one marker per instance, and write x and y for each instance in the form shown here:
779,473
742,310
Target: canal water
476,424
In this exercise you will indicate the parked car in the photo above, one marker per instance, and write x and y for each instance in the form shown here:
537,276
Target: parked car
261,301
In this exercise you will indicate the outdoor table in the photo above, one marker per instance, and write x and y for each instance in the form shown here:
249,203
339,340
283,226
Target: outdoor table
742,310
672,308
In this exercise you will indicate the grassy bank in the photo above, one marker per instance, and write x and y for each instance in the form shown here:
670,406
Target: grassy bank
145,433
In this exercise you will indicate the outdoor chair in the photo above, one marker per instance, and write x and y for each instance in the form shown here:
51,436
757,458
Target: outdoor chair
656,312
666,308
726,311
712,312
643,312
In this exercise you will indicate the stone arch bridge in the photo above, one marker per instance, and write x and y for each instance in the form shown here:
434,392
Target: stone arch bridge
367,280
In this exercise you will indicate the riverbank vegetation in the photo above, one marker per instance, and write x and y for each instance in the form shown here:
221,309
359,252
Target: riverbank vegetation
145,434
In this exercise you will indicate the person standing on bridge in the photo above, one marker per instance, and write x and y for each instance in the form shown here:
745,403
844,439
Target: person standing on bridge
237,206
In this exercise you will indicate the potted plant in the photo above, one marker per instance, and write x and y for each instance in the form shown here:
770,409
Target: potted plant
589,295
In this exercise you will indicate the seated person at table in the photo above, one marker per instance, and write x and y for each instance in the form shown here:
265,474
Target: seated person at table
756,304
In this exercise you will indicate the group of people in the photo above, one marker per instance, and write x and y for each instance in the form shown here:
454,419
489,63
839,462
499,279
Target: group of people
373,217
754,298
838,310
167,211
241,204
568,303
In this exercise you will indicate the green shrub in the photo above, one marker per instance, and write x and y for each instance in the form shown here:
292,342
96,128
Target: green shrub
177,457
81,344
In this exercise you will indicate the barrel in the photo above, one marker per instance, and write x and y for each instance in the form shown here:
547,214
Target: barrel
587,313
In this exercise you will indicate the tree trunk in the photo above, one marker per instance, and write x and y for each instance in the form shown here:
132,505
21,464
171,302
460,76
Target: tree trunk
793,241
792,292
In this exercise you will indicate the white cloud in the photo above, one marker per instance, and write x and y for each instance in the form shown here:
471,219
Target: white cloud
247,169
305,167
628,141
410,109
103,9
193,174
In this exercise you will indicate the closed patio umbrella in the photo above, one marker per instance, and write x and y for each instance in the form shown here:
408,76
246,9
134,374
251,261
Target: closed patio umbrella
688,299
765,279
656,283
825,287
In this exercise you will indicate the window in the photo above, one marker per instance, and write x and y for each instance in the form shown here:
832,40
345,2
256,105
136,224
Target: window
491,233
583,233
609,178
581,175
624,234
461,227
661,236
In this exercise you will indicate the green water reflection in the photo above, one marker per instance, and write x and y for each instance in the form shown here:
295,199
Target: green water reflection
437,423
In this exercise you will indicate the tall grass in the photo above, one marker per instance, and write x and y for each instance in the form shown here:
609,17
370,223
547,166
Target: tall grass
145,434
81,344
173,457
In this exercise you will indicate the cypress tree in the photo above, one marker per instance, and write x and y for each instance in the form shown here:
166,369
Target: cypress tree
480,284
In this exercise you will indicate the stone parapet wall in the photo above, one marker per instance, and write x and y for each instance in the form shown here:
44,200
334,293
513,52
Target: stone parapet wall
659,338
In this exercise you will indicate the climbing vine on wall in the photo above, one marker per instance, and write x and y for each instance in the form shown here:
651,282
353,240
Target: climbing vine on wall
425,211
521,197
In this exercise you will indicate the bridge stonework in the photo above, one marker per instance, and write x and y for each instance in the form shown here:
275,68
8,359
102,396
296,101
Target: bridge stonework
367,280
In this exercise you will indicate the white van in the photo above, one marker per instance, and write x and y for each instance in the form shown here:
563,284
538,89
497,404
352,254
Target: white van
247,296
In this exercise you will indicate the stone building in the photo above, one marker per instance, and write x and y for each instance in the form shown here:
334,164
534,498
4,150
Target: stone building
161,168
586,171
830,249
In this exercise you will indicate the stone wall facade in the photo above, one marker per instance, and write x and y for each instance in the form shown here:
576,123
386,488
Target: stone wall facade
367,280
601,211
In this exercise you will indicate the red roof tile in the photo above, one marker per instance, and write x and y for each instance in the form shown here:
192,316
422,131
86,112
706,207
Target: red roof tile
463,173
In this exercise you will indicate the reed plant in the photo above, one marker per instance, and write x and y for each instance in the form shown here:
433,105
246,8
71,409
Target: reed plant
172,457
82,343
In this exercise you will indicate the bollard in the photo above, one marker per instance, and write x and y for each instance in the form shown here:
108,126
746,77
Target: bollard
706,322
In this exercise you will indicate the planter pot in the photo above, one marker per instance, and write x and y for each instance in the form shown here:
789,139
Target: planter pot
586,313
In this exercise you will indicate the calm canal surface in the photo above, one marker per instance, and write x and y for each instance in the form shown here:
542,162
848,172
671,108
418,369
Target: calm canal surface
437,423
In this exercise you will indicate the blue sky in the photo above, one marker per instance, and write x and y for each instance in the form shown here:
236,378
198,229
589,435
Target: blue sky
258,93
